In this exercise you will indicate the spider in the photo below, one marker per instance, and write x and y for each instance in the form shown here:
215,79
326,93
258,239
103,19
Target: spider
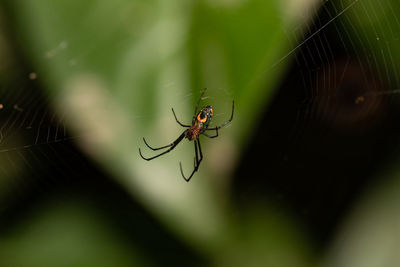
200,123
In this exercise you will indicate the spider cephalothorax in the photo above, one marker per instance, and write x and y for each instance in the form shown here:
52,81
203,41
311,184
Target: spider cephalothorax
200,123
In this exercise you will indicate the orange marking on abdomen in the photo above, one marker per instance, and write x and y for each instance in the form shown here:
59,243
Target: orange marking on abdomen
201,119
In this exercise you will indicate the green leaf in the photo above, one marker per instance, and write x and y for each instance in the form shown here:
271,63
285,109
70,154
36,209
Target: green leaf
115,69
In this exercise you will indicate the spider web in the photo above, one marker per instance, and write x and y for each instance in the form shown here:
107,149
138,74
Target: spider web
329,129
34,141
325,55
346,87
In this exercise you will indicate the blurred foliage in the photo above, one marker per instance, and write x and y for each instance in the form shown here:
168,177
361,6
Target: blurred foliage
64,233
371,234
114,69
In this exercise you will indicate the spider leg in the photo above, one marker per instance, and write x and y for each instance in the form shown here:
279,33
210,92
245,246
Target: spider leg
225,123
156,148
198,102
181,124
212,136
198,160
171,146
